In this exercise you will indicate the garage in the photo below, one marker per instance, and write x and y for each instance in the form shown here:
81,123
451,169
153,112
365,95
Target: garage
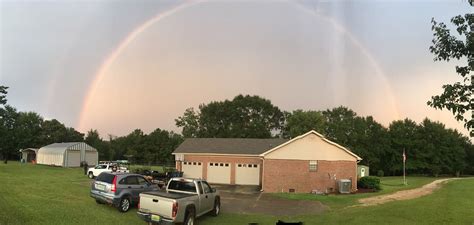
91,157
73,158
67,154
192,169
218,173
247,174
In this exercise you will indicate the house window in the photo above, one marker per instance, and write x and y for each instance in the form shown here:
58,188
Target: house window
313,166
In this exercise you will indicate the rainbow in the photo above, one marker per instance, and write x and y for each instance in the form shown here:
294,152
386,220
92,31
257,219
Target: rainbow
99,75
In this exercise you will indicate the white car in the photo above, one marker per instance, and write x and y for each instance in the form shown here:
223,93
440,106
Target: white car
95,171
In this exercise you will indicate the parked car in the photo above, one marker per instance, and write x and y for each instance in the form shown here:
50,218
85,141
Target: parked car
120,190
182,202
95,171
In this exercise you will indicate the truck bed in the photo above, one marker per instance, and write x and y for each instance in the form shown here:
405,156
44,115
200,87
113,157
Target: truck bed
170,194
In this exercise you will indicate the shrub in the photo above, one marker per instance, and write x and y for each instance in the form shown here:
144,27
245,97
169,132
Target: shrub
369,182
380,173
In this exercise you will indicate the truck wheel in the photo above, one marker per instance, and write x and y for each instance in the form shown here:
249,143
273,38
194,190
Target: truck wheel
98,202
124,204
217,208
91,175
190,217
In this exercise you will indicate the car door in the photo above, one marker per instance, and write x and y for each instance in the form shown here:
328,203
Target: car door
207,201
99,169
129,185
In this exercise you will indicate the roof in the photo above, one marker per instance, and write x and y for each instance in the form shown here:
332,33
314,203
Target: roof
320,136
29,149
61,147
236,146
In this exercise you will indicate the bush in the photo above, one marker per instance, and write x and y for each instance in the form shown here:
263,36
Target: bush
369,182
380,173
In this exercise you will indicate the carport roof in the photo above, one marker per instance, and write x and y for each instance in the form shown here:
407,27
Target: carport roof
61,147
237,146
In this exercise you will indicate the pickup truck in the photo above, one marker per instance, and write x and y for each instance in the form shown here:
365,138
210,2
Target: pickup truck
97,170
182,202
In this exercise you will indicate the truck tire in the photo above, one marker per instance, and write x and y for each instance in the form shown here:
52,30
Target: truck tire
124,204
190,217
98,202
217,208
91,175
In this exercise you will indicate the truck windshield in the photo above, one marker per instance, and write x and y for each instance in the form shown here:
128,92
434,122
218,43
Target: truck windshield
182,186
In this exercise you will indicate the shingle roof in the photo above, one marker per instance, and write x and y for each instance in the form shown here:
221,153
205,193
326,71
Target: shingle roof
242,146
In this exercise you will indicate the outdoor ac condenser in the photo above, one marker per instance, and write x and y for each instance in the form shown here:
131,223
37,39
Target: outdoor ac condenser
344,186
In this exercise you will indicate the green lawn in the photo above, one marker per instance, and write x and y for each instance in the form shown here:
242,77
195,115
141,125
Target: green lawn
33,194
389,185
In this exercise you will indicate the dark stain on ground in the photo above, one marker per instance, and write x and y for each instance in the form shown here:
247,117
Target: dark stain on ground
249,200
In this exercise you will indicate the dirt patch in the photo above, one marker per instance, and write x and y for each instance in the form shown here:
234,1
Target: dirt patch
268,205
406,194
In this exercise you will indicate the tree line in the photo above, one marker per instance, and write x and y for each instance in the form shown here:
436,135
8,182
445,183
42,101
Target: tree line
431,148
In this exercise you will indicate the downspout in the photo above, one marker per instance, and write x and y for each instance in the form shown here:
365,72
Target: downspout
263,172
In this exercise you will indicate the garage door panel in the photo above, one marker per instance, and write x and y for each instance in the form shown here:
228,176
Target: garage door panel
73,158
218,173
192,169
247,174
91,158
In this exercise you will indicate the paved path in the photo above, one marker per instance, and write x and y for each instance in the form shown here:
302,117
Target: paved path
406,194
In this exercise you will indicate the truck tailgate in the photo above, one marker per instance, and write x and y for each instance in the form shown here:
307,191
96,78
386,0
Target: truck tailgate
156,205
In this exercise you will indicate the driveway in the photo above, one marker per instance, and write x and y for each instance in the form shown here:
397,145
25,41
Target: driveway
249,200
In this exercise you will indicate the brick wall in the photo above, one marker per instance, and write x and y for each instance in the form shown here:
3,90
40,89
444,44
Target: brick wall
205,160
282,175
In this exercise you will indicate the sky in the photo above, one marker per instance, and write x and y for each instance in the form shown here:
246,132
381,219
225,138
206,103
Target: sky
119,65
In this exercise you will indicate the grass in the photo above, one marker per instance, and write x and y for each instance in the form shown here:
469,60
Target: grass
388,184
34,194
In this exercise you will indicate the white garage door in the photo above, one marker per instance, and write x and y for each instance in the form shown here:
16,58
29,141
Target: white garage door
73,158
247,174
218,173
192,169
91,158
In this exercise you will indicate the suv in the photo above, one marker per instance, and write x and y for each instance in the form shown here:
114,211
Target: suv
120,190
95,171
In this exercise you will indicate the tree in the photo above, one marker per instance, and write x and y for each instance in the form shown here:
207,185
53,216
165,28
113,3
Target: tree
3,95
189,122
457,97
299,122
404,137
243,117
93,139
340,123
8,139
54,131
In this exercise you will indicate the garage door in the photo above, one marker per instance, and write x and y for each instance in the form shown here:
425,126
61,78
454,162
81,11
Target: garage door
192,169
91,158
247,174
218,173
73,158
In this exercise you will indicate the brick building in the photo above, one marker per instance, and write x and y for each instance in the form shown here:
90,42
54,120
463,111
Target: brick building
303,164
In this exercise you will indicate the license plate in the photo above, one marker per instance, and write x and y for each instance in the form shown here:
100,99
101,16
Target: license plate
100,187
155,217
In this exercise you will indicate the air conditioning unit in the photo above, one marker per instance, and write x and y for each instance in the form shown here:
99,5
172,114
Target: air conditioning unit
344,186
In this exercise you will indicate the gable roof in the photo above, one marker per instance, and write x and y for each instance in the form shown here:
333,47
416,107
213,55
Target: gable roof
235,146
320,136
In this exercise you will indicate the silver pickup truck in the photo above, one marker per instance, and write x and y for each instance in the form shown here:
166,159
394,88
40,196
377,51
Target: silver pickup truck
182,202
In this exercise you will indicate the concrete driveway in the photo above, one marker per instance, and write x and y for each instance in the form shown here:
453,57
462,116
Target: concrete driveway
249,200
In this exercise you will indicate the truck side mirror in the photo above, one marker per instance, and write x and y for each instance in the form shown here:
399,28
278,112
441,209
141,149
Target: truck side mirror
213,190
